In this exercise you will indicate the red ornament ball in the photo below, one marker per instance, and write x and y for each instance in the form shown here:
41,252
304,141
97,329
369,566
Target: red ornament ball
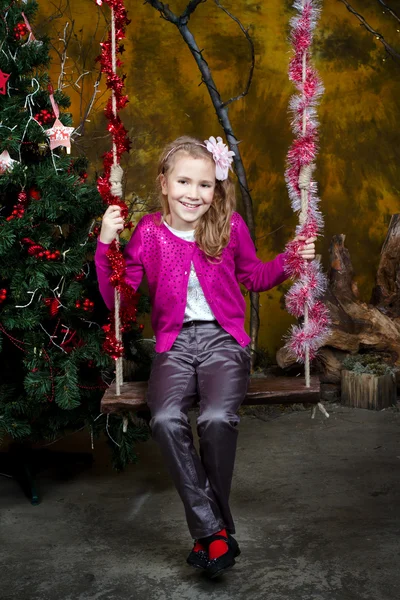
34,194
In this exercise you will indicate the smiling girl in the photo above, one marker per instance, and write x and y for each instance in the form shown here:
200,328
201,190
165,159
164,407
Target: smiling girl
195,253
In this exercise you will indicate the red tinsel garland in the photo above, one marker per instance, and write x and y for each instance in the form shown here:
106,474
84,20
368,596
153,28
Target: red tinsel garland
308,337
122,144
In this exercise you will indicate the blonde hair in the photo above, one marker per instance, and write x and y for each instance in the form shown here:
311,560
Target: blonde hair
214,228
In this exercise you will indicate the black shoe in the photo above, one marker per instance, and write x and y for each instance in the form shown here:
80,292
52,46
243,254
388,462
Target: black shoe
217,566
234,545
198,560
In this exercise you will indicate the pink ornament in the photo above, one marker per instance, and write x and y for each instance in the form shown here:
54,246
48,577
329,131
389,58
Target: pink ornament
4,77
59,135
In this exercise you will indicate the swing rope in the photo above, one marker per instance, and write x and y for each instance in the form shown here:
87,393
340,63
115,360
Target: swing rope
304,185
116,190
110,185
303,299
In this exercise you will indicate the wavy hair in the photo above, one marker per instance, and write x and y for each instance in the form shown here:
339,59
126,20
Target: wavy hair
213,231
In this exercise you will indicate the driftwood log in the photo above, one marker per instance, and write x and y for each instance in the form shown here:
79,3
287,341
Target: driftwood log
359,326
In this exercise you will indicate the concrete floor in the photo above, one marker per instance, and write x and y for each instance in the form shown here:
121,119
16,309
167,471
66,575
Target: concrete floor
317,507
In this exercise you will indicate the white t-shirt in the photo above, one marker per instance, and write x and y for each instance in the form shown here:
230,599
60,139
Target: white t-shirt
197,307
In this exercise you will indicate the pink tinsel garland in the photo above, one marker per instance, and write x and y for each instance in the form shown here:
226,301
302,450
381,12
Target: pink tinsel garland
302,153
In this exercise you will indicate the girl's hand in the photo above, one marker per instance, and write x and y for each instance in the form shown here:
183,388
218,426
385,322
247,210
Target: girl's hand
112,224
307,250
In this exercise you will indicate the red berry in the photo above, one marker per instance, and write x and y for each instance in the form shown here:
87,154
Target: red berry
40,254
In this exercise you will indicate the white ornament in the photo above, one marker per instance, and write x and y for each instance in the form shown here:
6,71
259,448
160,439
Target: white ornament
6,162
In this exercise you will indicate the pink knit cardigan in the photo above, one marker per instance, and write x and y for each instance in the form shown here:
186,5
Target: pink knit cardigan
165,259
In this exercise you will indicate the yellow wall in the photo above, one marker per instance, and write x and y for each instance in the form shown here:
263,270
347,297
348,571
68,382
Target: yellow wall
358,165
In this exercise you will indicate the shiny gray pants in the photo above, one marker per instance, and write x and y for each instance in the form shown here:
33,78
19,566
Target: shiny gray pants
205,362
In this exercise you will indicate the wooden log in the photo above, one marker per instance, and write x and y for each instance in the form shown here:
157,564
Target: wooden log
329,361
363,390
262,390
386,293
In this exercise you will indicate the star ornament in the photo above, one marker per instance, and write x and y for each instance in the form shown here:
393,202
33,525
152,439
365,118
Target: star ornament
6,162
4,77
60,135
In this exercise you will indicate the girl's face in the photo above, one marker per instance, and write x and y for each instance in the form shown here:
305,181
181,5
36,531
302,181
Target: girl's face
189,186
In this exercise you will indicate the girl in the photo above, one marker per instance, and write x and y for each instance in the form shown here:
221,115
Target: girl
195,252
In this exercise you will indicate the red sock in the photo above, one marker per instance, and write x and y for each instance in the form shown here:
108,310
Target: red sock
219,547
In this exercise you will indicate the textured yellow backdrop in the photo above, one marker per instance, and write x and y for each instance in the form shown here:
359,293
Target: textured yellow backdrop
358,165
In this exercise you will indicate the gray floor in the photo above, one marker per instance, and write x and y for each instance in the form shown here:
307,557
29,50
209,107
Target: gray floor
317,507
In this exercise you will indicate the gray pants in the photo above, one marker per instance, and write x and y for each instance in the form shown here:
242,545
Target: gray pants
205,362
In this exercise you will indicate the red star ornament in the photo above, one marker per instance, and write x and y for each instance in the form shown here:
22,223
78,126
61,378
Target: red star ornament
4,77
6,162
60,136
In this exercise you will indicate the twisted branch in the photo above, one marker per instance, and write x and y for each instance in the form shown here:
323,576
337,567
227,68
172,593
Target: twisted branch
251,44
391,51
389,10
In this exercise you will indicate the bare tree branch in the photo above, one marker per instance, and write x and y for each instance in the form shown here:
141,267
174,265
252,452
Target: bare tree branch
249,39
80,130
389,10
63,54
391,51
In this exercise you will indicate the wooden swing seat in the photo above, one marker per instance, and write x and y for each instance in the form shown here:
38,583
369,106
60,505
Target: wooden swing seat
262,390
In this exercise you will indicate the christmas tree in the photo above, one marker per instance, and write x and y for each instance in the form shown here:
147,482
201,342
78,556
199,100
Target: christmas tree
53,367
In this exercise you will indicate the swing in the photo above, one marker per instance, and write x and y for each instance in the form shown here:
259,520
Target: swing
122,397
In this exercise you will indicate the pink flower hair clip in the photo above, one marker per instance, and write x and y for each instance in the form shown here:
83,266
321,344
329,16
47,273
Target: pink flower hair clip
221,155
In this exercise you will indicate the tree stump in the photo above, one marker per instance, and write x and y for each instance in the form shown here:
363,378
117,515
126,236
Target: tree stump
363,390
386,293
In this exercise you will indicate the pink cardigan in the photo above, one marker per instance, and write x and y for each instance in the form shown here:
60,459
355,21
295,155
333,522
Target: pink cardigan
165,259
